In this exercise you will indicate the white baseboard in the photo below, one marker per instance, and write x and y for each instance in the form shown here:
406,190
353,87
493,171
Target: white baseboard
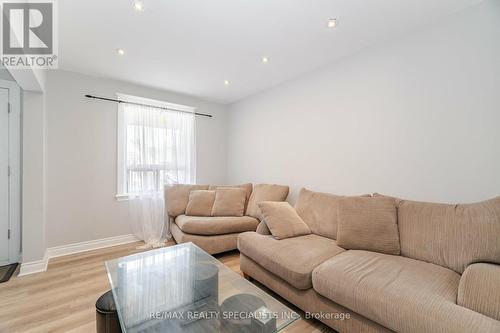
96,244
64,250
34,266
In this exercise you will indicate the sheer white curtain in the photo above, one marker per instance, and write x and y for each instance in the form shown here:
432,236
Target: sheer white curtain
159,150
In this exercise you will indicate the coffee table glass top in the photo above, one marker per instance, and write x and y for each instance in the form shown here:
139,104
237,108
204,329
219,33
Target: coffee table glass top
184,289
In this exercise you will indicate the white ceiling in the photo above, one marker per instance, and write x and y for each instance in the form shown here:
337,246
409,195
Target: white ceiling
192,46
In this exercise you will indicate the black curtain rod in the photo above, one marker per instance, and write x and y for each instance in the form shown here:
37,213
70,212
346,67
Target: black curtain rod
151,106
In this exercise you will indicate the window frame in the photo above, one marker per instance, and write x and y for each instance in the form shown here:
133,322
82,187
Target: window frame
121,165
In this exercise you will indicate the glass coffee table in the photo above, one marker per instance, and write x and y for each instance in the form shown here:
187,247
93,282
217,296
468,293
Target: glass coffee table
184,289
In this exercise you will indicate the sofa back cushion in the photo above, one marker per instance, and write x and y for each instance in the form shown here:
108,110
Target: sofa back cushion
200,203
265,192
282,220
229,202
177,197
247,187
319,211
452,236
396,199
368,224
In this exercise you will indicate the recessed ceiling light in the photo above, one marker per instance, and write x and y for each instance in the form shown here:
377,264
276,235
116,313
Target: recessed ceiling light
265,60
332,23
138,6
120,51
226,82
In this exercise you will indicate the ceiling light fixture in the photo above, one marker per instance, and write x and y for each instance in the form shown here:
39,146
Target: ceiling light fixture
120,51
332,23
138,6
226,82
265,60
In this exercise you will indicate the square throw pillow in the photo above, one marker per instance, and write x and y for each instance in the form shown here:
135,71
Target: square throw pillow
247,187
229,202
177,197
265,192
282,220
368,224
200,203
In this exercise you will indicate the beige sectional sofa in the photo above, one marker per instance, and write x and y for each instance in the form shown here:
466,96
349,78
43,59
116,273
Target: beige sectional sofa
443,277
216,234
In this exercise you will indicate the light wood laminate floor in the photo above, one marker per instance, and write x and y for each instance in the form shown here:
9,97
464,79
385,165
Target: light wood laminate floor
62,299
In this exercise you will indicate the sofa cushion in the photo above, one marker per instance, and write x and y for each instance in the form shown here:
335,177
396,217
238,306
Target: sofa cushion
215,225
265,192
282,220
200,203
247,187
319,211
229,202
210,243
396,199
400,293
177,197
368,224
292,259
452,236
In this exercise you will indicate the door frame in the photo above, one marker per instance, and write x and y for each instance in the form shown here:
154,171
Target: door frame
15,179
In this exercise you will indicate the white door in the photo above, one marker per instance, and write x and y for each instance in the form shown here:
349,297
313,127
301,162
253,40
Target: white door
4,176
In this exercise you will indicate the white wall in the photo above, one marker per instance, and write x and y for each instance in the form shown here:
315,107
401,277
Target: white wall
418,118
81,154
33,179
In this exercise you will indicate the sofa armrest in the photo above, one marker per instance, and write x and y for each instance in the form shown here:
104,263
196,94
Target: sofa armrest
479,289
263,229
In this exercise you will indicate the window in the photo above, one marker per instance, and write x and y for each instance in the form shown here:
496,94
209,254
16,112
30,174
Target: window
155,146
